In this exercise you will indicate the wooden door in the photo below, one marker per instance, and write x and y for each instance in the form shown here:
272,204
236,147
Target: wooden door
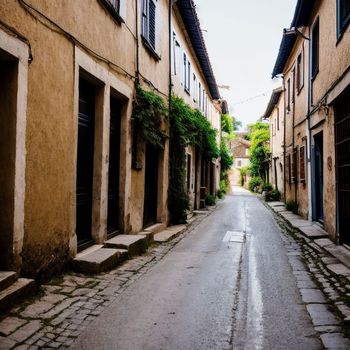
114,167
319,176
85,157
151,186
342,149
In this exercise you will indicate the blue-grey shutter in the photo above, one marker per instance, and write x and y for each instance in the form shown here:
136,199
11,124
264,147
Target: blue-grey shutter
152,24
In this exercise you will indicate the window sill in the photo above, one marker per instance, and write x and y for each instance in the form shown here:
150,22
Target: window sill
150,49
112,11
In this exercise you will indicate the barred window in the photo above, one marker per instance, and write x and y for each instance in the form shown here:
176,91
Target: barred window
302,164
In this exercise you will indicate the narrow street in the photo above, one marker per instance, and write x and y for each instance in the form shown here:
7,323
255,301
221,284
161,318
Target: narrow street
214,292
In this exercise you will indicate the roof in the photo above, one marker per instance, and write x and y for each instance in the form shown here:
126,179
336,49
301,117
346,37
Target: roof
189,16
301,18
275,96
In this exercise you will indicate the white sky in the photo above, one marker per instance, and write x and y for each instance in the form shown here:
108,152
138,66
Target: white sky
243,38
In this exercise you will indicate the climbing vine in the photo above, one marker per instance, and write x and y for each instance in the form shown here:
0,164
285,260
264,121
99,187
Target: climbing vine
149,116
187,127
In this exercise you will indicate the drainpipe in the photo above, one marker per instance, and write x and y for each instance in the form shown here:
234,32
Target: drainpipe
284,140
309,91
293,142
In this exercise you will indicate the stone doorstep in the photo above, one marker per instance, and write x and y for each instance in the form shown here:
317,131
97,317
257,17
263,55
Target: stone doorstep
134,244
18,290
156,228
168,234
313,232
149,236
99,260
7,278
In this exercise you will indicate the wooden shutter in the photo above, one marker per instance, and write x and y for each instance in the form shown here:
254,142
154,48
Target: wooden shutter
152,24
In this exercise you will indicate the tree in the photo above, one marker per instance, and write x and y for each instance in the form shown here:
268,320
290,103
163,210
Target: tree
259,150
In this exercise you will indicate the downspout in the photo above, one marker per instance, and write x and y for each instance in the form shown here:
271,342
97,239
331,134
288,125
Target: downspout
295,168
284,140
137,44
309,91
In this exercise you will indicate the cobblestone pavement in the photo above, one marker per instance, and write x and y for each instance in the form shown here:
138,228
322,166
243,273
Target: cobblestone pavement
62,308
325,293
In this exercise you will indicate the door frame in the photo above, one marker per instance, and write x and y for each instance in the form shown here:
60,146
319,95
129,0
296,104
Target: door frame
20,51
107,84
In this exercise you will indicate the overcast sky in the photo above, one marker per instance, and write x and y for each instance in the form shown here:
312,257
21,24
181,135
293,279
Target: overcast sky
243,38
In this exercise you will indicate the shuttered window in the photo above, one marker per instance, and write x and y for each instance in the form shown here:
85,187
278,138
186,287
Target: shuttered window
343,15
315,48
149,22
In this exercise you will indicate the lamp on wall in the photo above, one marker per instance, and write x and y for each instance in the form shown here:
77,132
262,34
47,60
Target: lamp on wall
295,30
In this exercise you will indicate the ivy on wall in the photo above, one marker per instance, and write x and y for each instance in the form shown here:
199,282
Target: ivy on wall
188,126
149,116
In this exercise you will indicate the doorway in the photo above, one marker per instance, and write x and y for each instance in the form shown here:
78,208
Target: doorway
151,185
114,168
319,177
85,158
342,156
8,120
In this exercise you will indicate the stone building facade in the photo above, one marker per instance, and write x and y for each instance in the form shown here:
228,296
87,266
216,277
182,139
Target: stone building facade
70,69
314,62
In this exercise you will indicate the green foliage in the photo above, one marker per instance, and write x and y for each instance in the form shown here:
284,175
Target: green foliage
210,200
223,188
259,151
292,206
227,123
267,187
187,127
148,115
255,183
226,157
273,195
243,171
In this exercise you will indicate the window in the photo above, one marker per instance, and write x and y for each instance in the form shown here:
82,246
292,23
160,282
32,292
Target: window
195,88
115,4
315,48
278,118
239,163
288,94
117,8
343,14
176,52
149,22
300,71
200,95
302,164
187,74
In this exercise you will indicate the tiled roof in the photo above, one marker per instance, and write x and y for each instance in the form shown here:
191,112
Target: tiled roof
301,18
189,16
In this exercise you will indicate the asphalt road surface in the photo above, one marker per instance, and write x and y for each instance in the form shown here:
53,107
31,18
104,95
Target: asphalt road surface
226,285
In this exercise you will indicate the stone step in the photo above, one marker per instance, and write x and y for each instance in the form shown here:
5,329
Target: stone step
134,244
155,228
149,236
98,260
7,278
16,291
169,233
